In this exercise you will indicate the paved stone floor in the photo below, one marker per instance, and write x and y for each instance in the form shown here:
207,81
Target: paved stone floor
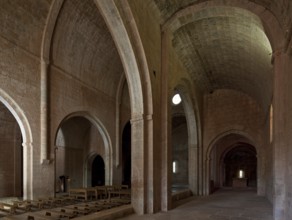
225,204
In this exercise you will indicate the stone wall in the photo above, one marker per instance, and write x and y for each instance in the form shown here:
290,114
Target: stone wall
20,45
226,110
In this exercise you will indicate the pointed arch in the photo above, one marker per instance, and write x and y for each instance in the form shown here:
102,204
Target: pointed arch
212,145
223,134
26,133
106,140
124,31
192,126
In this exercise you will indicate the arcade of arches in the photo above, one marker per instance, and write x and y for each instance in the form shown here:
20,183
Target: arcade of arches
86,89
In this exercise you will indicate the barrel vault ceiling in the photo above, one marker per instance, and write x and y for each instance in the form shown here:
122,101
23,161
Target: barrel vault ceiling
223,47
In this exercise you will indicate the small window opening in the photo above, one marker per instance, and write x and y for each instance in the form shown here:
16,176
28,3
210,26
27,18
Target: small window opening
176,99
241,174
174,166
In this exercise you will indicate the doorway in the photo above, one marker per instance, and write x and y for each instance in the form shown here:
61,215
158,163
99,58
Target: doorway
241,162
98,172
126,154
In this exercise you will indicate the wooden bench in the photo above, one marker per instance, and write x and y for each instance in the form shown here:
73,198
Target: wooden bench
83,193
22,205
119,193
79,210
61,213
7,208
101,192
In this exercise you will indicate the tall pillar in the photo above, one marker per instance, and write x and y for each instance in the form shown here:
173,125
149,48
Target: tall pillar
281,103
193,168
27,171
151,164
138,159
207,171
166,149
44,112
201,170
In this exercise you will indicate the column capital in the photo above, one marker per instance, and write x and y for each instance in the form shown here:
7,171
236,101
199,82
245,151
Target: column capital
27,144
141,117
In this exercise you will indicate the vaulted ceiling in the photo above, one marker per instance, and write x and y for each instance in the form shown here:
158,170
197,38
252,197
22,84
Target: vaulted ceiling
83,47
223,47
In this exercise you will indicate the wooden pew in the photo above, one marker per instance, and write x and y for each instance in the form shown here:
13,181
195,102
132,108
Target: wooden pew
22,205
78,210
7,208
61,213
84,193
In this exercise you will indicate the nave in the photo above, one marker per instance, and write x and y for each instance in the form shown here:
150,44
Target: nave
225,204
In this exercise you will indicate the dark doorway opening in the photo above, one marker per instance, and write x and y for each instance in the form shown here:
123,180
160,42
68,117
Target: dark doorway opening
126,155
98,172
241,159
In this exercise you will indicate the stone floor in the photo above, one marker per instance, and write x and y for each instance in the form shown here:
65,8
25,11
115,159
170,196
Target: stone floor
225,204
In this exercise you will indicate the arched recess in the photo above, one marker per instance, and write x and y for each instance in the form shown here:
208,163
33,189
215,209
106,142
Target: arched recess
273,27
191,113
11,157
136,68
236,137
25,129
89,157
89,170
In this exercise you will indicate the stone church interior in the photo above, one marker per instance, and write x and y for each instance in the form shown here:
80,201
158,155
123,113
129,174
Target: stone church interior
158,100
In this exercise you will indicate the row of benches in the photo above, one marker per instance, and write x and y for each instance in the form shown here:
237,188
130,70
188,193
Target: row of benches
102,197
71,211
31,205
100,192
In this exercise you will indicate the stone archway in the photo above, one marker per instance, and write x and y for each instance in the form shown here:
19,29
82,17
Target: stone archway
131,51
11,156
99,144
136,70
193,130
218,148
24,126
